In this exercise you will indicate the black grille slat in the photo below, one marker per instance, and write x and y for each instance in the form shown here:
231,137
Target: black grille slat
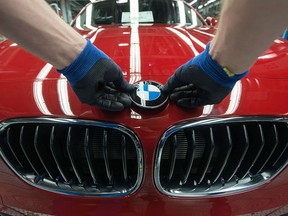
272,141
89,156
42,149
282,147
207,157
73,157
238,153
191,139
221,156
17,153
257,145
224,155
26,143
173,157
57,154
106,157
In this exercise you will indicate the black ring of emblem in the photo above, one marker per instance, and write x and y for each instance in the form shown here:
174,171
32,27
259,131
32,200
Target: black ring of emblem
146,104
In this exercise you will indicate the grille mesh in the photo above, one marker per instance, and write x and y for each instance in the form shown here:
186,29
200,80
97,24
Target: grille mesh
74,157
217,156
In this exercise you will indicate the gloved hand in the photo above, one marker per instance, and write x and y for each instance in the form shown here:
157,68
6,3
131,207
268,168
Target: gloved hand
97,80
200,81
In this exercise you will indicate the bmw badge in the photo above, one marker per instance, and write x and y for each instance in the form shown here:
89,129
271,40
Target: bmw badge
148,95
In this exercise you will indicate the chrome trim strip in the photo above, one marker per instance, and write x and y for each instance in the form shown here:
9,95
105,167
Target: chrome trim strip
243,184
55,187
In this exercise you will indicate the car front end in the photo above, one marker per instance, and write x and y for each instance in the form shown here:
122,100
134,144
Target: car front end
62,157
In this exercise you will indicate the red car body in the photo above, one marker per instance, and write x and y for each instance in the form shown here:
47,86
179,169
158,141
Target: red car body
30,88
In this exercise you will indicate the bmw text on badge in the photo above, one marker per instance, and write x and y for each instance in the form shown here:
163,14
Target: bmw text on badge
148,95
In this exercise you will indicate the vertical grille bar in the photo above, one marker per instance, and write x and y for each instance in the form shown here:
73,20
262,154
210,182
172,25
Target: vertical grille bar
30,153
71,156
257,146
276,143
106,156
124,157
238,154
89,156
40,155
16,154
224,156
190,156
271,142
208,154
173,152
283,143
57,155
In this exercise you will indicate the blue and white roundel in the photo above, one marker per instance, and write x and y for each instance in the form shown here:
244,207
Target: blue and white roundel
148,92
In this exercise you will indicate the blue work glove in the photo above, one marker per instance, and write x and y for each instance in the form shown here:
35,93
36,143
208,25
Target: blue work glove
200,81
97,80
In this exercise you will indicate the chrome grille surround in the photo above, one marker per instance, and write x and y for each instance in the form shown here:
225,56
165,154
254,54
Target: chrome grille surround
76,180
180,170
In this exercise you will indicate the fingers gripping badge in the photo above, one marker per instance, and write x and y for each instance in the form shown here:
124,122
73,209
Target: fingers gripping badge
148,95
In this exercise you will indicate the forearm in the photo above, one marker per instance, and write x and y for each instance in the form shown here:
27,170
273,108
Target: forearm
246,29
33,25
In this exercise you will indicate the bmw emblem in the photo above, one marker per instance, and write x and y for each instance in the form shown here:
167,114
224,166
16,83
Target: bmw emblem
147,94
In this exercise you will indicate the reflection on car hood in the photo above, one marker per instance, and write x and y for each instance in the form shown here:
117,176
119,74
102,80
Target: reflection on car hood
144,52
30,87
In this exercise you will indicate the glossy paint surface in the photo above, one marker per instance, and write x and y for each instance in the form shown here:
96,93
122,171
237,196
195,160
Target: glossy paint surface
32,88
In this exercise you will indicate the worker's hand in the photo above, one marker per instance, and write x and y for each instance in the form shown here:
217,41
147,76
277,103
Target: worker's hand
97,80
200,81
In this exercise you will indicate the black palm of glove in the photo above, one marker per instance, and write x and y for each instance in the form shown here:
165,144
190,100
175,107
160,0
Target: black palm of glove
104,86
199,82
193,88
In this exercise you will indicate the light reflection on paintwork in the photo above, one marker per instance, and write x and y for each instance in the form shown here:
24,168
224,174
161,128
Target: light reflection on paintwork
38,89
235,97
194,39
207,110
62,89
185,39
203,32
135,55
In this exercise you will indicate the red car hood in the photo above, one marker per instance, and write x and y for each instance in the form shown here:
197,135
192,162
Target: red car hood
30,87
